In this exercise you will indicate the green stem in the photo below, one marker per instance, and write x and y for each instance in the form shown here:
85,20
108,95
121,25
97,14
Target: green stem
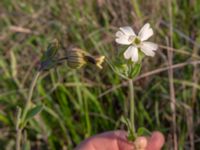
18,139
18,136
132,105
87,118
28,102
21,121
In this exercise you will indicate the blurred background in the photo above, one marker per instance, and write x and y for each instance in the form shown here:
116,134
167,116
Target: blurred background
84,102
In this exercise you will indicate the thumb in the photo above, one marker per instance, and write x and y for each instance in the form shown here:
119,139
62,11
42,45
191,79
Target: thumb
156,141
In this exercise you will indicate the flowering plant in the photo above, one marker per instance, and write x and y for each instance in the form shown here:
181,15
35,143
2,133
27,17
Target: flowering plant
138,47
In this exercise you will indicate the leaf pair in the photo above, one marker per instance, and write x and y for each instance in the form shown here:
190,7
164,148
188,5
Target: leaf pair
34,111
128,71
29,115
134,70
132,135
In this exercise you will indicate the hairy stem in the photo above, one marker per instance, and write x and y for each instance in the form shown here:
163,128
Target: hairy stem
28,102
132,104
18,139
18,130
21,121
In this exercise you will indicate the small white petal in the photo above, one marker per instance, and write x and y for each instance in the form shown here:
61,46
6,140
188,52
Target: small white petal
119,34
150,45
147,50
131,52
128,53
135,57
146,32
123,40
127,30
146,26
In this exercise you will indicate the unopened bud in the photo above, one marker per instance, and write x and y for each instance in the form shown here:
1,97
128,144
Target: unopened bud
75,58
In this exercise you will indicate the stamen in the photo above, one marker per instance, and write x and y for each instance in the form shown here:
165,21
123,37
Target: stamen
137,41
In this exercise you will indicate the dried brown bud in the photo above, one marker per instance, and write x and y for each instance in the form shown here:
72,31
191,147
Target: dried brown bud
76,58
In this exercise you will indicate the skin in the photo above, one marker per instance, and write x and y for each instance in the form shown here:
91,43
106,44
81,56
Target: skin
117,140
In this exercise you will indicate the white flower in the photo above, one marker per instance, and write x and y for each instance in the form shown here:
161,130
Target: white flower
126,36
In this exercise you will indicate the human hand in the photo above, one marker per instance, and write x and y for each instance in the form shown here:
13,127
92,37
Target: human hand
117,140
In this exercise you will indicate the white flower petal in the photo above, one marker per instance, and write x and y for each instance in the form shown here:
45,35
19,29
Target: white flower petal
131,52
150,45
135,57
127,30
119,34
147,49
123,40
128,53
146,32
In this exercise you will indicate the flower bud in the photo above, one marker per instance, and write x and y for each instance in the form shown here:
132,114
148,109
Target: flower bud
75,58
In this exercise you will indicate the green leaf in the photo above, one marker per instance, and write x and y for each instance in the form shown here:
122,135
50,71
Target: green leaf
135,70
47,64
131,134
51,50
4,119
48,59
143,132
34,111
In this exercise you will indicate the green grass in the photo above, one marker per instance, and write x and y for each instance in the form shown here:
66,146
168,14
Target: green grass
81,103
